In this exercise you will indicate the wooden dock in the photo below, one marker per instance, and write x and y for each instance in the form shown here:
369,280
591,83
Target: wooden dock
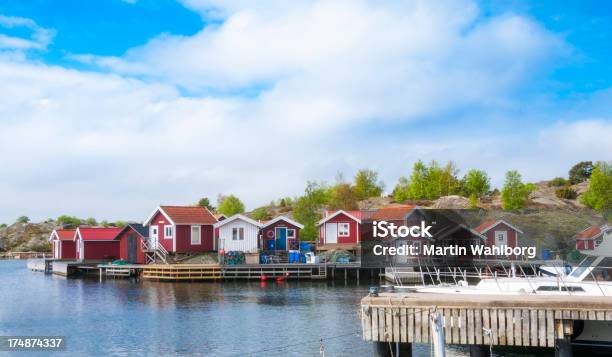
232,272
489,320
181,272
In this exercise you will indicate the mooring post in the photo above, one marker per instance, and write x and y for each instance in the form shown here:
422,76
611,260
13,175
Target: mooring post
357,275
345,274
437,334
100,274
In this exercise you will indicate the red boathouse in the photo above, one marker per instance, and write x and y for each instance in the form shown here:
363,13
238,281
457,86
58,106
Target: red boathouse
182,229
97,243
64,247
131,240
340,227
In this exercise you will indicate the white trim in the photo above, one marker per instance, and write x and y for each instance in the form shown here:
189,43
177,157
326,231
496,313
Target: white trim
283,218
497,223
294,233
54,233
235,217
171,236
337,213
199,235
158,209
238,230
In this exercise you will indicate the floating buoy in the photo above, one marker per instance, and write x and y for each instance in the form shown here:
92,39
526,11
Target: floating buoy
280,278
263,278
263,284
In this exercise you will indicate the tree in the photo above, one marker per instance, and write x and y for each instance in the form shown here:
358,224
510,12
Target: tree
205,202
367,184
231,205
343,197
476,183
65,220
515,193
306,208
260,213
598,195
23,219
428,182
580,172
119,223
91,221
105,224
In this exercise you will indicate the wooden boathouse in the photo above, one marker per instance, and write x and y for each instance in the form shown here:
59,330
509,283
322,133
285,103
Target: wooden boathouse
394,321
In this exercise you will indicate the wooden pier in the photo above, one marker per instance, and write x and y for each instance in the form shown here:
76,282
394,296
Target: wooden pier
233,272
485,320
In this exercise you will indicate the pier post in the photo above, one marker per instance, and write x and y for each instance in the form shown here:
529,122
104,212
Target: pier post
345,274
357,275
437,334
563,348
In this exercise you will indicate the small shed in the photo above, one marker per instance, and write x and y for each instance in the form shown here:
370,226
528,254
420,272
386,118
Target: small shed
96,243
281,233
500,233
64,246
131,243
238,233
340,227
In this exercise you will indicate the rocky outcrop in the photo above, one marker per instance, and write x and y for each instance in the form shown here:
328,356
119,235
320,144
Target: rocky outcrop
27,237
451,202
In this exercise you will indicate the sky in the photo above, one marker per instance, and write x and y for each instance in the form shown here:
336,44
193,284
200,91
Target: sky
110,108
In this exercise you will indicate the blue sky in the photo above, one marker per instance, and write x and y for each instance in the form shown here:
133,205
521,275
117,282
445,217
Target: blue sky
135,103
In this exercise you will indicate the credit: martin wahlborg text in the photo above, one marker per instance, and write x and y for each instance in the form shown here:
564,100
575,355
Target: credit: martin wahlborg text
384,229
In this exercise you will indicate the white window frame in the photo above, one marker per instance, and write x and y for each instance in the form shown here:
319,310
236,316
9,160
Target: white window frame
199,235
166,229
237,230
344,230
290,233
504,234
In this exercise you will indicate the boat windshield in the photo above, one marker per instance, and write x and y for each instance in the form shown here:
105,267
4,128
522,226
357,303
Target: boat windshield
583,267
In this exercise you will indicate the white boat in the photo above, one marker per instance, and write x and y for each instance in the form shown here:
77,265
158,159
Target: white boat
589,278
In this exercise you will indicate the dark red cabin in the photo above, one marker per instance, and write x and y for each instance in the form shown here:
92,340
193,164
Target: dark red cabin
182,229
340,227
97,243
281,233
64,246
499,233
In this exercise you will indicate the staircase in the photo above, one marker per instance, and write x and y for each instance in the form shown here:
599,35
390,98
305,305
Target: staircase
154,252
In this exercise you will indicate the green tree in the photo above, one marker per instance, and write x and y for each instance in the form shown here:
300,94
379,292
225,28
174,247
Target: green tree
367,184
428,182
23,219
400,192
119,224
343,197
3,225
580,172
476,183
65,220
260,213
231,205
205,202
306,208
91,221
557,182
515,193
598,195
104,223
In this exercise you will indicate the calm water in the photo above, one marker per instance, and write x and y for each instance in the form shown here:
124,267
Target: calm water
119,317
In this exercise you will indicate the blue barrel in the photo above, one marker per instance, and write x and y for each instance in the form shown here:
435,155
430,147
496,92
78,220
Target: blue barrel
546,254
305,246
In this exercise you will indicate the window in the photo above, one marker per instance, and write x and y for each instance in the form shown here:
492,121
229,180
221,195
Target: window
238,233
501,237
168,232
154,231
290,233
343,229
196,238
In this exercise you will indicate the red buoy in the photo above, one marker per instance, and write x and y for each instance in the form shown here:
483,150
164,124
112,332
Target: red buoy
263,278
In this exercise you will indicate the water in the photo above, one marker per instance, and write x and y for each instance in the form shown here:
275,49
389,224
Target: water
120,317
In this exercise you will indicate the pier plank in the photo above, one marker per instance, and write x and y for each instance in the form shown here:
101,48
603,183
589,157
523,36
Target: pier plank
448,336
510,327
525,324
501,320
486,326
396,324
374,324
478,327
550,328
533,322
417,326
542,328
381,325
388,325
470,326
455,324
462,326
494,330
425,325
410,321
403,326
518,327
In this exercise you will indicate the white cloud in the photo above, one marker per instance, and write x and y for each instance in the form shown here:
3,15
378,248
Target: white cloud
114,145
39,39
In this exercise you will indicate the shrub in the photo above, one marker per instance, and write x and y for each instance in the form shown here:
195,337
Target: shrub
566,192
557,182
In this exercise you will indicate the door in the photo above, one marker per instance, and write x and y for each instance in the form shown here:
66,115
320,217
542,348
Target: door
56,250
331,233
281,238
81,250
501,238
132,246
154,236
